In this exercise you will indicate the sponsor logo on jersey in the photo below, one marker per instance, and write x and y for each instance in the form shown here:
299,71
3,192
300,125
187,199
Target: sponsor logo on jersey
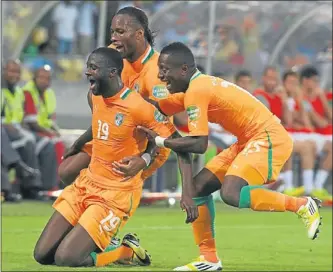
193,113
160,91
119,119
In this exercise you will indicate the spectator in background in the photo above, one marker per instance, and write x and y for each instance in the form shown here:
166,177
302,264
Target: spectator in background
273,97
65,16
321,118
23,141
86,27
228,46
302,132
178,33
244,80
39,111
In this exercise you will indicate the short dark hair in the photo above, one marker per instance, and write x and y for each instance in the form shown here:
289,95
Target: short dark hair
289,73
112,57
308,72
140,16
181,53
242,73
269,67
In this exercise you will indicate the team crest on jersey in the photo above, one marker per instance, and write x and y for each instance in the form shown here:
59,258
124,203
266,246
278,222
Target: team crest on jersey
159,117
119,119
193,112
160,91
136,87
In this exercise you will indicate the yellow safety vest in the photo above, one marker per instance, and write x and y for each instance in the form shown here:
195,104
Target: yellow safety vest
12,105
46,108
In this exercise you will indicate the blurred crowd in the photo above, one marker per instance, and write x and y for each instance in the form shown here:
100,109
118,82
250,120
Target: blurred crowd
245,34
31,143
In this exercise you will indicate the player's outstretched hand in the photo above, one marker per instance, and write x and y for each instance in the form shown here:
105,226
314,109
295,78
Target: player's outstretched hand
187,204
151,135
129,166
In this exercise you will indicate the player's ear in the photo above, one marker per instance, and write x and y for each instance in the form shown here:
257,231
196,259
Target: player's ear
184,69
140,34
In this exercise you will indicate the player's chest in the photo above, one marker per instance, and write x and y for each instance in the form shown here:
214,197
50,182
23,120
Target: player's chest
112,124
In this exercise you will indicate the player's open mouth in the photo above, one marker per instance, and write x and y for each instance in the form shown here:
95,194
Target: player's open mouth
92,84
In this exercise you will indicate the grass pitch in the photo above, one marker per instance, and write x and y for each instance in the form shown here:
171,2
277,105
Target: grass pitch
246,240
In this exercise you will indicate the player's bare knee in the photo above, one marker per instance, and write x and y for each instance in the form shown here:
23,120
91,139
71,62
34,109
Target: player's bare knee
65,258
231,188
42,257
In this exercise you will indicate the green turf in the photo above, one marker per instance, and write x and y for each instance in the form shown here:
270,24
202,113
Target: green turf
246,241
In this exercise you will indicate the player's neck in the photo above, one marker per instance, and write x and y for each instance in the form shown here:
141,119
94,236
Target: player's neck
138,53
113,89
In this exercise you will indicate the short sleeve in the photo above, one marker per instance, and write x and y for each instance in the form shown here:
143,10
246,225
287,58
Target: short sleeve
196,105
151,118
173,104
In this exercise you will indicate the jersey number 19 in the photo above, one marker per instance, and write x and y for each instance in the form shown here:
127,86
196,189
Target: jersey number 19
103,130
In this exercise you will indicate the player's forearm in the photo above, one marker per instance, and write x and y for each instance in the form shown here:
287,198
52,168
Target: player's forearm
157,162
84,138
188,144
150,149
185,167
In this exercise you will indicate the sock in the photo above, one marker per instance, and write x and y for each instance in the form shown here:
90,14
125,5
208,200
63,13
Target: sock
259,199
320,179
203,228
308,180
288,179
106,258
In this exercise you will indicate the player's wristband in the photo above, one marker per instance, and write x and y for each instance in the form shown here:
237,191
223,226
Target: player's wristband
159,141
147,158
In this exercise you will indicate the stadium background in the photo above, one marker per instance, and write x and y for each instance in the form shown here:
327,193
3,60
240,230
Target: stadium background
286,34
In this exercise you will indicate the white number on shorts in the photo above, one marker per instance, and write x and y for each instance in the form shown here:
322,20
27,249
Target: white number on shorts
109,223
253,147
103,130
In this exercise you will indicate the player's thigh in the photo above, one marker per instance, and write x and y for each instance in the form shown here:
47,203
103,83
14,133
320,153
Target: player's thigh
69,203
108,213
220,164
70,168
54,232
263,157
75,248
